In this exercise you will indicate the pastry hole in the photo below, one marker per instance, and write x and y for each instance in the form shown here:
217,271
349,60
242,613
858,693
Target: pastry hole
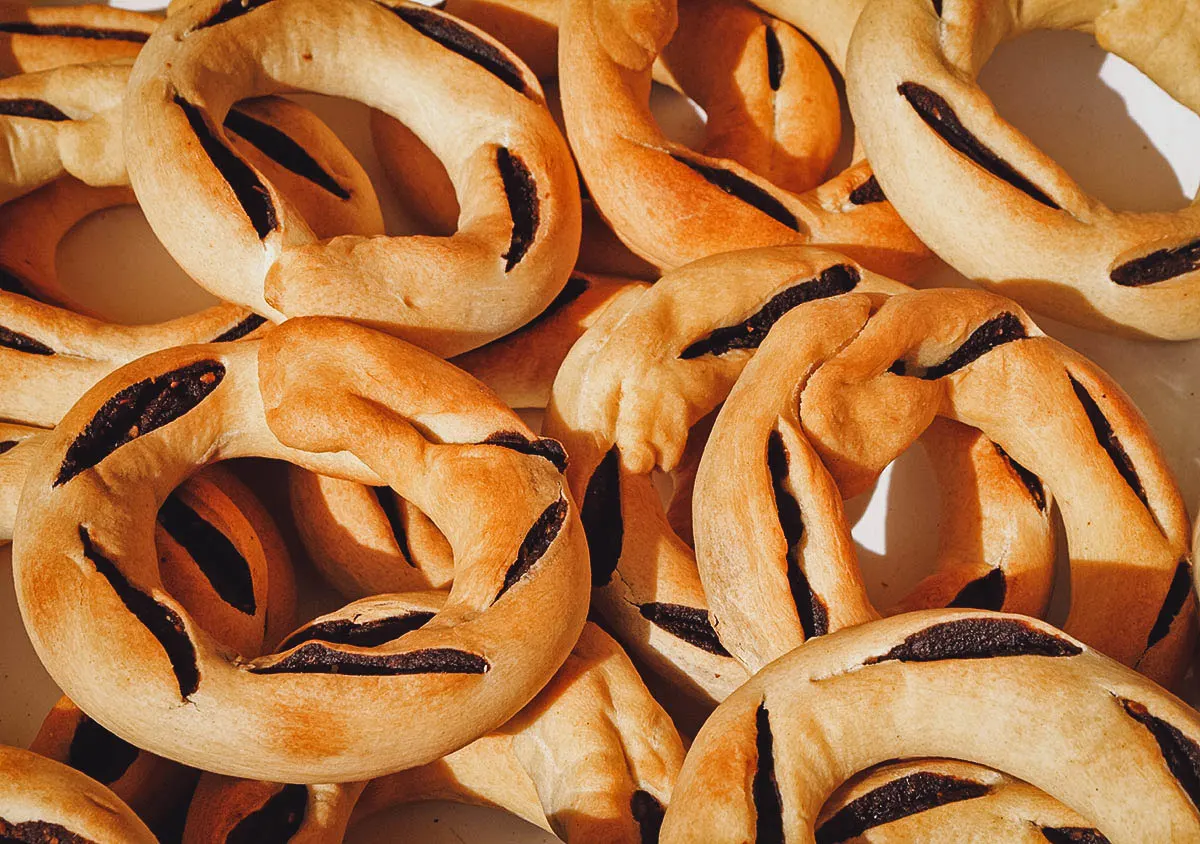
1101,138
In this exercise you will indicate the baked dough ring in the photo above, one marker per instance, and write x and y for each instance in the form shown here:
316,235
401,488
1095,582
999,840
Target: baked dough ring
342,400
937,800
53,355
607,783
783,126
369,540
962,176
1004,691
45,801
223,559
773,544
633,389
977,358
784,129
519,232
36,38
66,121
642,182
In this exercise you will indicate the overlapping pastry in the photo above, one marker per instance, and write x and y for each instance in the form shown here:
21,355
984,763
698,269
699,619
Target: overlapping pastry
140,664
608,782
840,388
42,800
672,205
1005,691
702,430
517,236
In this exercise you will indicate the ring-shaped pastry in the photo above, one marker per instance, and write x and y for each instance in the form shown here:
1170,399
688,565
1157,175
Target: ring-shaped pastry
53,353
628,401
773,544
610,783
1004,691
992,204
978,359
140,665
672,205
222,557
518,233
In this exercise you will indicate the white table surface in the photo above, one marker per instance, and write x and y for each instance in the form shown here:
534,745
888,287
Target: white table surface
1114,130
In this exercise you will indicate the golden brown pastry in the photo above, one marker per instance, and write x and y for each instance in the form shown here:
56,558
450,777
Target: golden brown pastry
46,801
1001,690
784,127
368,540
36,38
345,401
625,403
53,353
632,398
727,57
517,236
773,544
941,801
223,559
672,205
976,358
593,757
991,203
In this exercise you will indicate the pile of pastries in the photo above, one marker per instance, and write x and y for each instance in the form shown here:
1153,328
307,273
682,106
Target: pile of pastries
645,621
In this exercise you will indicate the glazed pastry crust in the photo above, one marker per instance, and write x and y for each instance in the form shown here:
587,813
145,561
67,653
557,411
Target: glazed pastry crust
517,238
1020,702
607,783
272,398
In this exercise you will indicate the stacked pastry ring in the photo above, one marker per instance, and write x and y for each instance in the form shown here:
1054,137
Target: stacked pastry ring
813,397
53,354
132,438
640,180
517,237
619,775
366,541
222,557
639,380
764,379
1005,691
